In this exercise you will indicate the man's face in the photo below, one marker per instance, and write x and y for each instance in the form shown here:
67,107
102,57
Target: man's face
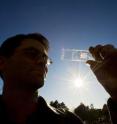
27,67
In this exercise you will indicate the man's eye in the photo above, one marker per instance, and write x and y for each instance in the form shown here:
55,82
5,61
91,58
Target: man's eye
36,55
32,54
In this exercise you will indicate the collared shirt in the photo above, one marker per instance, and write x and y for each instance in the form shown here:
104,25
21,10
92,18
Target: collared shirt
43,115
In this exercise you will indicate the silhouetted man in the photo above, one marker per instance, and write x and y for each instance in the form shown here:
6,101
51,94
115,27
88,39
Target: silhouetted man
23,67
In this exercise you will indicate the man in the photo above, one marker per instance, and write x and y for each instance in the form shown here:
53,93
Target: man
23,68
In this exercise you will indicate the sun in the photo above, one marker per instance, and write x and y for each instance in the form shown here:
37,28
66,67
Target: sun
78,82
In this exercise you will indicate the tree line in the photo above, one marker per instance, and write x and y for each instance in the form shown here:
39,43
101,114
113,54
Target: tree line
88,114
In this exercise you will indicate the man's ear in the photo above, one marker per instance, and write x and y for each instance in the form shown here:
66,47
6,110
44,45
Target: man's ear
2,62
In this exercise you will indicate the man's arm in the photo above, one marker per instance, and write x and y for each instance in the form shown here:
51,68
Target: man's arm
105,68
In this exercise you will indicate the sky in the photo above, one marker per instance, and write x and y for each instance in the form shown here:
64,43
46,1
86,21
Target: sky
68,24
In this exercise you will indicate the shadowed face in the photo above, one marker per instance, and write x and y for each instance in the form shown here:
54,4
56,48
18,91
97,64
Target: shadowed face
27,67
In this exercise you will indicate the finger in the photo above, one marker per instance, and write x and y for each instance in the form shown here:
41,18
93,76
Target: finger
95,51
107,50
94,65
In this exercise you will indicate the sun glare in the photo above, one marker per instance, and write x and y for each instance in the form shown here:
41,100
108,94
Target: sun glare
78,82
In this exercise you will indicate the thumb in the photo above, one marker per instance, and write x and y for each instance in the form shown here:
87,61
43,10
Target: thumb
91,63
94,65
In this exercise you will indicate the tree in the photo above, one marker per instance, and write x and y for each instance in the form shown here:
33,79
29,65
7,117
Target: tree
105,113
82,111
89,115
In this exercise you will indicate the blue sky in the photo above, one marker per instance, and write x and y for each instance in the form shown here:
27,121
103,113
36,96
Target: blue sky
73,24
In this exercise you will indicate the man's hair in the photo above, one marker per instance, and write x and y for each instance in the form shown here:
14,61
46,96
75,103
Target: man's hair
9,45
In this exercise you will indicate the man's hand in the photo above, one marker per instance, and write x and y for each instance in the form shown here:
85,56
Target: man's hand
105,67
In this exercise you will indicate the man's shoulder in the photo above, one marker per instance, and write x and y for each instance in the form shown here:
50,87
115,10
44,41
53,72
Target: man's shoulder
66,117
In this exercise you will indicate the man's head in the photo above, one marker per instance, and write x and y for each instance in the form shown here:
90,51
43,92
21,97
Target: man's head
10,44
23,58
